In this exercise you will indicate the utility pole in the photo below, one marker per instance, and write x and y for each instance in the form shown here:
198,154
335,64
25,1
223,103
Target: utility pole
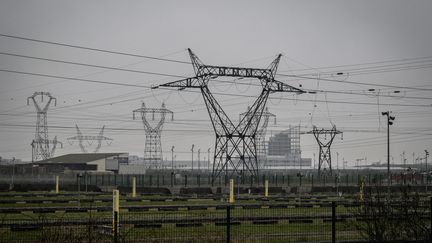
337,161
13,173
403,159
390,120
199,160
208,159
426,156
172,159
192,150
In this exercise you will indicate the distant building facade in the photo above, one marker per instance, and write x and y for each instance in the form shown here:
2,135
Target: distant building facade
84,162
284,149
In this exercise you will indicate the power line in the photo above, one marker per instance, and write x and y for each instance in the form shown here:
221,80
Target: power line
90,65
402,62
75,79
93,49
224,94
353,82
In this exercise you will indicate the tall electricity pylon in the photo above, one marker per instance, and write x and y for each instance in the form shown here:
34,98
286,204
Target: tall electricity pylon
324,146
235,147
260,136
89,139
153,145
41,143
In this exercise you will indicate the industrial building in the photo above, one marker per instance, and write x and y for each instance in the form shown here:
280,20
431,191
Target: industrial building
89,162
284,149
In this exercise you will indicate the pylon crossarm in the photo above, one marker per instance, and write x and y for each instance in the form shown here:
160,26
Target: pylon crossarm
194,82
278,86
221,71
146,124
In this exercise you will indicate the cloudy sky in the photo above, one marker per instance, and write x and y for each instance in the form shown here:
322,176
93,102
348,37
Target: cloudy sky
360,57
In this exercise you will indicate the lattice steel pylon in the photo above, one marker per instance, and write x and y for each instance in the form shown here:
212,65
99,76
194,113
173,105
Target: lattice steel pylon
41,143
153,145
235,147
324,146
89,139
261,146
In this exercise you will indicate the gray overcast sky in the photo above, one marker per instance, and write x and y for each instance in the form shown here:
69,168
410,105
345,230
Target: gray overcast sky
315,38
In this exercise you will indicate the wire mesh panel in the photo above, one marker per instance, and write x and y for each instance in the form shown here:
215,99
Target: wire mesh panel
281,223
174,224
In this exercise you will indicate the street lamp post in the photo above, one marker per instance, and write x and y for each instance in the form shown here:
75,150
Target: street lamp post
390,120
192,150
172,158
208,159
199,160
337,161
13,173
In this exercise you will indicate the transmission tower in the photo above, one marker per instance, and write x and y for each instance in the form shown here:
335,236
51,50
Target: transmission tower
153,146
260,136
324,146
235,147
89,139
41,143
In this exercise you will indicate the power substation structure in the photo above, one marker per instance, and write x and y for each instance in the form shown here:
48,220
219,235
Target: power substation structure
260,136
89,139
41,143
235,147
324,144
153,145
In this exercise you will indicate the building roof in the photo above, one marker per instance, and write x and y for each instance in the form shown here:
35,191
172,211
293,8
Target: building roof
77,158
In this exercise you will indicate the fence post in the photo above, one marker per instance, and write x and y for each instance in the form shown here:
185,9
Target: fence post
57,184
231,195
116,209
333,222
228,223
134,186
266,188
172,179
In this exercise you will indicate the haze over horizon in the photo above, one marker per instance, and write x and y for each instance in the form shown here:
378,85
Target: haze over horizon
357,59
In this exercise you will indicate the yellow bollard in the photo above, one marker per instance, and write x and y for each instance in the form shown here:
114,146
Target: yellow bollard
116,211
134,186
231,198
266,188
57,184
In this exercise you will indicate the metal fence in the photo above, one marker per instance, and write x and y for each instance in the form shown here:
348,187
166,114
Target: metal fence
297,221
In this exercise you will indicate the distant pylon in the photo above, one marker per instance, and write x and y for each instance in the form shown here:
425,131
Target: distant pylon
324,146
41,143
260,135
153,145
80,138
